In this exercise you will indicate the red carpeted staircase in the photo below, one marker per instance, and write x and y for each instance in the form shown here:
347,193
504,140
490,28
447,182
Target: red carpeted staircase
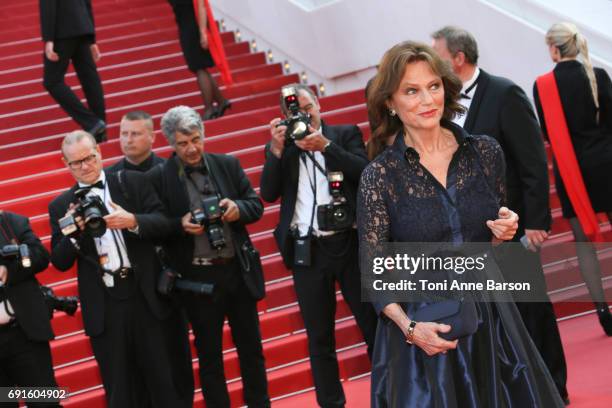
142,68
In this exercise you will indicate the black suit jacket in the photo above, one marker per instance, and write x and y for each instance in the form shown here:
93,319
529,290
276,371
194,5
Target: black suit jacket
22,287
151,161
500,109
62,19
144,203
231,182
279,178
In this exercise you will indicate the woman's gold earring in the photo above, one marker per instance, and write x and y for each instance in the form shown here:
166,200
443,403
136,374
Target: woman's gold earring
392,112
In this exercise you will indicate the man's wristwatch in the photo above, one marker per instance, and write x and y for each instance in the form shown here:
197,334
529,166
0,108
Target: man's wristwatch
326,146
410,332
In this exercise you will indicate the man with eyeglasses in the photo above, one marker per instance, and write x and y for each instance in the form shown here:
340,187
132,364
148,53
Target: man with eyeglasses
132,329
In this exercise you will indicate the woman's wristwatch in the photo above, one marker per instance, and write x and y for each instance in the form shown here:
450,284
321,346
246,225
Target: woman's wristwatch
410,332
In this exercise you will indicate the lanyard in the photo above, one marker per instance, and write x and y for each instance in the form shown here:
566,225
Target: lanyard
117,237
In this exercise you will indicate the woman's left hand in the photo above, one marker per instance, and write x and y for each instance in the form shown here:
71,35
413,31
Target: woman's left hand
505,226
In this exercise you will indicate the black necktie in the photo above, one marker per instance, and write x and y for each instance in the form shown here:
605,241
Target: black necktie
464,95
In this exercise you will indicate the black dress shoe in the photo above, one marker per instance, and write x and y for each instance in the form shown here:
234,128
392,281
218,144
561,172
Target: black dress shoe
223,106
99,132
605,319
211,113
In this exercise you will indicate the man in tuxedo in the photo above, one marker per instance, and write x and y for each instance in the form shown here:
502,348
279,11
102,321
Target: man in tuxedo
499,108
68,31
132,329
297,173
193,185
136,137
25,330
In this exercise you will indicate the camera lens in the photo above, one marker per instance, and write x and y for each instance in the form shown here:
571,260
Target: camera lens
340,214
298,130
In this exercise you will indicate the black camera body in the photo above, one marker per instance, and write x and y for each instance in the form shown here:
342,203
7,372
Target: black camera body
297,121
16,251
92,210
66,304
337,215
210,218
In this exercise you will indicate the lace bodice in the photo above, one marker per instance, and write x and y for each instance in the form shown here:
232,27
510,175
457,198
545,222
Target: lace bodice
400,201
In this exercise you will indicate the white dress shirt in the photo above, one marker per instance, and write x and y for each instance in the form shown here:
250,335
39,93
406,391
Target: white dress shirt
108,251
305,196
460,119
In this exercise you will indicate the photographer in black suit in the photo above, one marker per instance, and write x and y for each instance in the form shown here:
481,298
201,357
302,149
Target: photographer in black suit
25,330
69,34
499,108
209,201
290,172
131,328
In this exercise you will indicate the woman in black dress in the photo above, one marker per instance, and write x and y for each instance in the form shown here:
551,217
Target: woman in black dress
586,97
194,43
437,184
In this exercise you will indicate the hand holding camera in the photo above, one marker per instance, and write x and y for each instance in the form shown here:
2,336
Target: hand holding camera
191,227
85,215
231,212
277,143
17,251
314,142
210,216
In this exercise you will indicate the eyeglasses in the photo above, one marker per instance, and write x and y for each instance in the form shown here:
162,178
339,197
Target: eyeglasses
77,164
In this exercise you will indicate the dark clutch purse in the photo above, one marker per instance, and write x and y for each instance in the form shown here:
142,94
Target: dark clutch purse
252,270
460,314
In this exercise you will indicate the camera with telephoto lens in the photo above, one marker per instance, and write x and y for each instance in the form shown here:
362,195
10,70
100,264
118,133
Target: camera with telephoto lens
169,280
91,209
337,215
297,122
209,216
16,251
66,304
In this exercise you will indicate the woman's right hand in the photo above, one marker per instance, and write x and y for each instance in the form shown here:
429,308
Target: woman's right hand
50,53
425,336
203,39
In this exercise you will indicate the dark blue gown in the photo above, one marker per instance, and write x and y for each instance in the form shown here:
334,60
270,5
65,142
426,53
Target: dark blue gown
400,201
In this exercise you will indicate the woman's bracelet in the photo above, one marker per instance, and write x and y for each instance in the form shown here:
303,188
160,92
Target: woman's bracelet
410,332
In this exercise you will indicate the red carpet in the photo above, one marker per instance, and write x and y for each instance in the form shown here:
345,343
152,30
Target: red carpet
589,357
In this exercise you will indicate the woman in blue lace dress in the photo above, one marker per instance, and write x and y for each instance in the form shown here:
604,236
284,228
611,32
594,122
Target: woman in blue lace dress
436,183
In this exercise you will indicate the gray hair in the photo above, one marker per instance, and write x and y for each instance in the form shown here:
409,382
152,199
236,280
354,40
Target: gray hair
458,40
182,119
75,137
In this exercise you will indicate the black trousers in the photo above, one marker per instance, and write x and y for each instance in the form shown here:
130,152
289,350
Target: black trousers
144,362
333,258
25,363
76,50
207,315
520,265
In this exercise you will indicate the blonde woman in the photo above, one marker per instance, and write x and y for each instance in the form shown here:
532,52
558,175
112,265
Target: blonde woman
585,94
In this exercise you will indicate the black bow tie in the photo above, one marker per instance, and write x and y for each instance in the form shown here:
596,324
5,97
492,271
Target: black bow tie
99,184
201,168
